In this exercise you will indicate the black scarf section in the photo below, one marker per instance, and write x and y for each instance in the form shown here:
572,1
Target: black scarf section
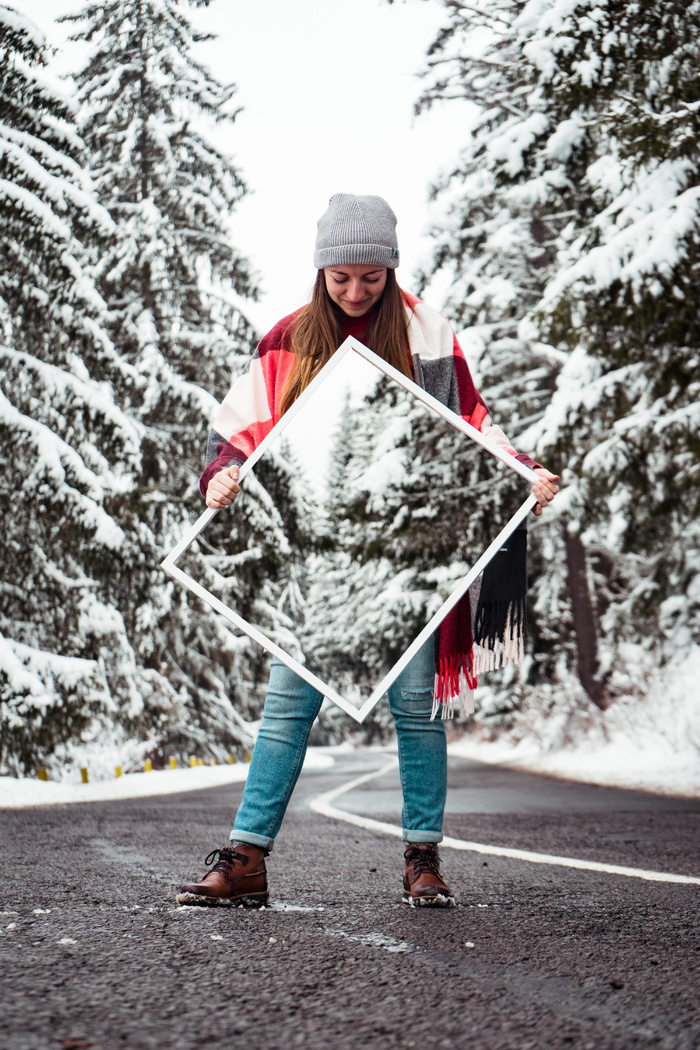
500,610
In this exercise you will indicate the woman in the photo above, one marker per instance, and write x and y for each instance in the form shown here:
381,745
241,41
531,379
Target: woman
356,294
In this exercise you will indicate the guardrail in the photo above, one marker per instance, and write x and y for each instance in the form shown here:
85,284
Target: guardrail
194,762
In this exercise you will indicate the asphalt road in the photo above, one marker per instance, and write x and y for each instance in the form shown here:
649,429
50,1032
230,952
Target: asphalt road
96,953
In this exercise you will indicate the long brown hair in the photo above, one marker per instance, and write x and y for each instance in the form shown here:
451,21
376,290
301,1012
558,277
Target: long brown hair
317,334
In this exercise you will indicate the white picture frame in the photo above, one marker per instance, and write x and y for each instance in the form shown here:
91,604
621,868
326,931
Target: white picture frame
353,346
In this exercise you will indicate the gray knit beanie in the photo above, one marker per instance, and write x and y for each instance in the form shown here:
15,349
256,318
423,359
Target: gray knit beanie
356,230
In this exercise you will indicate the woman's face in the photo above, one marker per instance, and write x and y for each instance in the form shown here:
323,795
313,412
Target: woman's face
355,288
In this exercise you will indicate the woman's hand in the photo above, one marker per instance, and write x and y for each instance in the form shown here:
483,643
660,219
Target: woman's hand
223,488
544,489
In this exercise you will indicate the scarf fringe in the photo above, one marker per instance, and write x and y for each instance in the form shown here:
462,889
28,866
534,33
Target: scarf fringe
499,621
455,683
513,652
499,635
457,679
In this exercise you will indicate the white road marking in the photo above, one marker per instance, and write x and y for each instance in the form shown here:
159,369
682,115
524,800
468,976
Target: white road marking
323,804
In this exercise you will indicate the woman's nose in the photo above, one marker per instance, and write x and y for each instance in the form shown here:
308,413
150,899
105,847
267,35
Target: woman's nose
356,292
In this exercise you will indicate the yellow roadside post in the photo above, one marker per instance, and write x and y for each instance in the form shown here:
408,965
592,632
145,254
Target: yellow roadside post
248,756
117,771
193,761
231,760
147,766
213,762
172,762
84,775
42,774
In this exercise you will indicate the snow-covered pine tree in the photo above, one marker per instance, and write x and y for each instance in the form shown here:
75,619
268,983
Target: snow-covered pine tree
588,118
353,629
341,587
500,208
172,278
410,509
497,214
173,283
69,452
624,300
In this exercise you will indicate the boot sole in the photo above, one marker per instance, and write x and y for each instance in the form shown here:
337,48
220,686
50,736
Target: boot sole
438,901
244,901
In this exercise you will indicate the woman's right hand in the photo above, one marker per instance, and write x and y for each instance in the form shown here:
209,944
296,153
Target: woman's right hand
223,488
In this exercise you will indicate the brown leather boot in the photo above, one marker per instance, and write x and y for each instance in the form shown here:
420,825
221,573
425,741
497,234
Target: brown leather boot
423,884
238,876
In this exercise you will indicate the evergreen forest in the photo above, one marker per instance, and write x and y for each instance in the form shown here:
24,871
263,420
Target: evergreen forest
565,226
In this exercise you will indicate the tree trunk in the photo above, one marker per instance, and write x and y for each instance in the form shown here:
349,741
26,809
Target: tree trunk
583,618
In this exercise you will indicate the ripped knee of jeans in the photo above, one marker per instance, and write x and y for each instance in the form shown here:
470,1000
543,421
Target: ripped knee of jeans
412,703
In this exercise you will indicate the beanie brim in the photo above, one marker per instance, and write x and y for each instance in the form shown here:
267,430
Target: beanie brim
364,254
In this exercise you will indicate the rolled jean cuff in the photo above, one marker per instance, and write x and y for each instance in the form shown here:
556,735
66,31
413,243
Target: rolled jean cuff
252,839
421,836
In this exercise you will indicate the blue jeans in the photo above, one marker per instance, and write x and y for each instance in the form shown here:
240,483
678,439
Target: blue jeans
292,705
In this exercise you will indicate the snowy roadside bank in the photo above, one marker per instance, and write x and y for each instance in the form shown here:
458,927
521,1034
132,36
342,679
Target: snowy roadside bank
16,793
648,740
615,764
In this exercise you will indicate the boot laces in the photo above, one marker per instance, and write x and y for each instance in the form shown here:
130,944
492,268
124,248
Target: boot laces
223,860
423,860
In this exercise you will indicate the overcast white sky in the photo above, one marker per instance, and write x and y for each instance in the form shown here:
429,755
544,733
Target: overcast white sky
327,89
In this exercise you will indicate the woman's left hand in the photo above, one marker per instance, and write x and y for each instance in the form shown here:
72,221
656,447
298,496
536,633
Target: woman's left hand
545,489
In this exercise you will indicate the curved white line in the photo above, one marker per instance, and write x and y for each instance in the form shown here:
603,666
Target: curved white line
322,804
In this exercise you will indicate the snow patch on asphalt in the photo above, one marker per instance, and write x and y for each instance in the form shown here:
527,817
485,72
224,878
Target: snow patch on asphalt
281,906
374,940
19,792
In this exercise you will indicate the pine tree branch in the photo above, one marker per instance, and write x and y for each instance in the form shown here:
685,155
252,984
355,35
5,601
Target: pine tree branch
469,60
